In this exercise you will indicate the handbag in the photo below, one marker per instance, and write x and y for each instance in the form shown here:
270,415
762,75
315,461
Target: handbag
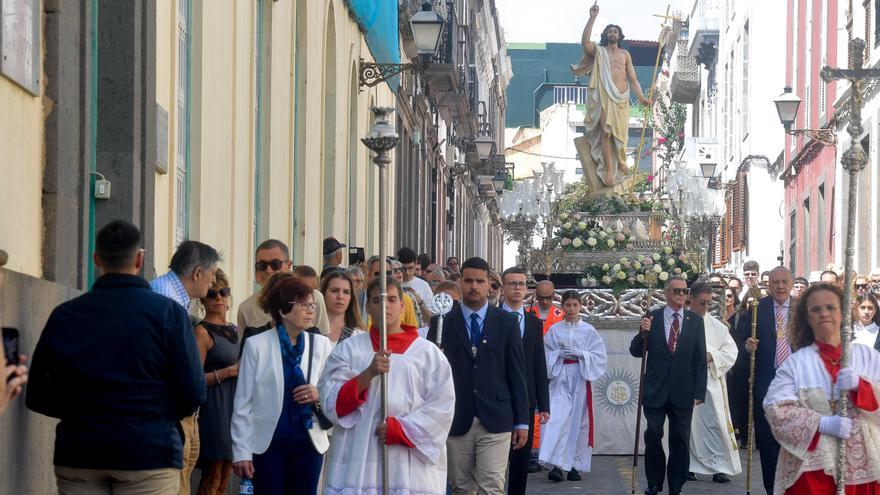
323,421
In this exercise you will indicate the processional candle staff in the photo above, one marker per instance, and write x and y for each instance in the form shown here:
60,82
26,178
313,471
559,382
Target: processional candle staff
381,139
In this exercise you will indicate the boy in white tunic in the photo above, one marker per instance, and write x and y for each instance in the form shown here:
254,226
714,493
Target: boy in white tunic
421,403
713,443
576,356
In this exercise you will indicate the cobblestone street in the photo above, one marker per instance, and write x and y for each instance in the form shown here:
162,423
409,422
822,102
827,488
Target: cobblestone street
611,476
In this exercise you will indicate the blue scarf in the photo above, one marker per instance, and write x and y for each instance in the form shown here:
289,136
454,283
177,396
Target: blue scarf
291,356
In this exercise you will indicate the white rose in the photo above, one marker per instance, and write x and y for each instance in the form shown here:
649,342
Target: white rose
667,250
637,265
663,276
640,278
611,243
640,257
603,234
577,242
684,275
658,268
621,275
616,267
605,267
656,256
582,226
563,216
591,242
606,280
566,226
670,262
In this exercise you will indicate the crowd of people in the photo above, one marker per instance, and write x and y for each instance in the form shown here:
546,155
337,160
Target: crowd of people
151,380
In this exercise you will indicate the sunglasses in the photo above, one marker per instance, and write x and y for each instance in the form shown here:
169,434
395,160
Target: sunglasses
729,296
222,292
861,286
276,265
750,274
495,286
678,291
702,303
387,274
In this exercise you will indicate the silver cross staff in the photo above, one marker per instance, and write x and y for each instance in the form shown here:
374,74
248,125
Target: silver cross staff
442,304
853,161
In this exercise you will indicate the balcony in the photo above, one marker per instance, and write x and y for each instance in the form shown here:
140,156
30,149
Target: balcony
704,24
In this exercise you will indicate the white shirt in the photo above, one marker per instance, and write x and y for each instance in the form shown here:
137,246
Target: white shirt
667,320
421,288
520,314
865,335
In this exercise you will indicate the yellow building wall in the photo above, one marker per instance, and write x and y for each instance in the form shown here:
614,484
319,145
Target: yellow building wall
223,129
21,169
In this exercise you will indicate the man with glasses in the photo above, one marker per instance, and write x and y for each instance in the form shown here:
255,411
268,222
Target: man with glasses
799,285
750,274
713,444
273,257
675,382
771,349
532,332
544,308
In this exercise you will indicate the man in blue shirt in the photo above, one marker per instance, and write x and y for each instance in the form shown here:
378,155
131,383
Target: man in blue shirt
120,368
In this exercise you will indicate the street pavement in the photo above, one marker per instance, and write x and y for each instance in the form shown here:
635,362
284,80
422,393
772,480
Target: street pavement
611,475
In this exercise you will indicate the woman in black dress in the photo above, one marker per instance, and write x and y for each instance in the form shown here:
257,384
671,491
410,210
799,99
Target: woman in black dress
218,344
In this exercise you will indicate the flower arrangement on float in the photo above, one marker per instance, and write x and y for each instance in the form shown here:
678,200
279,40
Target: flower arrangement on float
579,233
639,272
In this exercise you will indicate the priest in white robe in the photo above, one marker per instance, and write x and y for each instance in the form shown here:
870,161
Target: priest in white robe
713,444
421,403
576,356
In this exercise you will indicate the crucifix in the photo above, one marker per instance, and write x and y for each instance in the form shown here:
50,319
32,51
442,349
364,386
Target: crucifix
854,161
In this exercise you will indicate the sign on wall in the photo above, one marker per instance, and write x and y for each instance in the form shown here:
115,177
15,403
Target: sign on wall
20,42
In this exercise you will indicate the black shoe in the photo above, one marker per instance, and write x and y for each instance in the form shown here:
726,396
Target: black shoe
692,476
555,474
534,467
573,475
653,490
720,478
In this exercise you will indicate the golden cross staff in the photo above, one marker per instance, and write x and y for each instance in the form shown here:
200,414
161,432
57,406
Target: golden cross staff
854,161
661,43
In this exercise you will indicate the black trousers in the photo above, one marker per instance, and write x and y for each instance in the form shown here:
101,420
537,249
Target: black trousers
656,467
519,465
767,446
738,398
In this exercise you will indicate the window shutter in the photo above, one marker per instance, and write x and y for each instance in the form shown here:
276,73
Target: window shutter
739,215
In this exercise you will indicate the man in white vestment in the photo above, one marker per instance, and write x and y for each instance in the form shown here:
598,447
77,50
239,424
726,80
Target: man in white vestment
713,444
421,404
576,356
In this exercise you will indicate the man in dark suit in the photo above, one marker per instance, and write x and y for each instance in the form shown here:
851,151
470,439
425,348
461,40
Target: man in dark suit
484,349
531,328
675,382
774,313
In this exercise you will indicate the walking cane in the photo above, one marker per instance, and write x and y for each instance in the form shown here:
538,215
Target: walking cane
750,438
381,139
650,296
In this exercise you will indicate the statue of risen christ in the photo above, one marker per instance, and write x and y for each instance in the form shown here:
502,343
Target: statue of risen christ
611,73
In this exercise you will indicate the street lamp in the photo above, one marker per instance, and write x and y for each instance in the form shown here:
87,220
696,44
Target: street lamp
499,180
485,144
787,107
427,29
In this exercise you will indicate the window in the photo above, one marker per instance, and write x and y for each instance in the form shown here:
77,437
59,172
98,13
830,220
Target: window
578,171
745,81
740,215
181,226
581,130
570,94
820,225
721,248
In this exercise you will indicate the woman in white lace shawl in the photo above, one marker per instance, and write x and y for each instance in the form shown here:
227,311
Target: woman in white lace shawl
801,402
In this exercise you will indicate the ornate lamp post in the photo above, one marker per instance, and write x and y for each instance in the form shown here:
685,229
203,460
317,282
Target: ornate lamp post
519,219
381,139
697,210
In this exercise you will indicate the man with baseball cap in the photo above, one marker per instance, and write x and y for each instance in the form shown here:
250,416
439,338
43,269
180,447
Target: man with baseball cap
332,254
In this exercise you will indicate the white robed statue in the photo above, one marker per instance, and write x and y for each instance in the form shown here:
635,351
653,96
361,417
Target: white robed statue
576,356
603,146
713,444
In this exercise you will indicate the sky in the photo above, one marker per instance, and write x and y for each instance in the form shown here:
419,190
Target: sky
563,21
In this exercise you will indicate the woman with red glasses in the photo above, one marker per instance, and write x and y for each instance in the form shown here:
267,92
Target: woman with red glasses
217,340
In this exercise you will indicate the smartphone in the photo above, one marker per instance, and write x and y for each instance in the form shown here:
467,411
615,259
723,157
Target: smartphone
10,345
356,256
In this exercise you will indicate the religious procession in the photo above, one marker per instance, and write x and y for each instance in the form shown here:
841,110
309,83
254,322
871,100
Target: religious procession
429,247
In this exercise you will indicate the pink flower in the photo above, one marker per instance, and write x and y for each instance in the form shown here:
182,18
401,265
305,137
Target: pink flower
620,237
566,241
661,140
650,178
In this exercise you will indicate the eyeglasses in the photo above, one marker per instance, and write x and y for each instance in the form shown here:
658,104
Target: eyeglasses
515,283
861,286
276,265
544,298
222,292
387,274
831,308
305,306
679,291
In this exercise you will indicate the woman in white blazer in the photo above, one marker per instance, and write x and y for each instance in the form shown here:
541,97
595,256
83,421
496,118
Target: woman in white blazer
277,439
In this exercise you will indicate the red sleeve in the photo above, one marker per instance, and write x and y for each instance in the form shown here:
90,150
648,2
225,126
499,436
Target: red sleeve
348,399
863,397
395,434
814,443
